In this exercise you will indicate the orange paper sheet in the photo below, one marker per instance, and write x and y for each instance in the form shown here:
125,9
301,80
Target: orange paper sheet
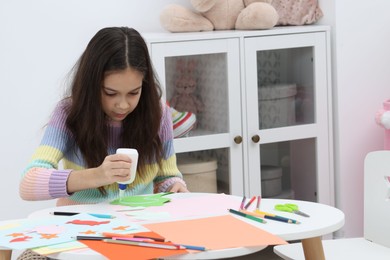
120,252
215,233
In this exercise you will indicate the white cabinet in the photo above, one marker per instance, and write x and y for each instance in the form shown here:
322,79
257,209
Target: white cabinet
266,102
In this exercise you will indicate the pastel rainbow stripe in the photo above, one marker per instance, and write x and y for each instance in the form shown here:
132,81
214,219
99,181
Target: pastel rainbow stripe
183,122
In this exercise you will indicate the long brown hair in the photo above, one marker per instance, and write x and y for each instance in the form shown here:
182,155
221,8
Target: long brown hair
114,49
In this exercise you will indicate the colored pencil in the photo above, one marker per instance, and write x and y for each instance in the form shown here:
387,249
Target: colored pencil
116,238
144,244
110,235
258,203
90,238
239,213
273,217
158,239
190,247
148,240
250,202
134,239
242,202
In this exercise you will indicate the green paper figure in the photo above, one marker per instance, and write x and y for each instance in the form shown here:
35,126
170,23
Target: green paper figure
142,200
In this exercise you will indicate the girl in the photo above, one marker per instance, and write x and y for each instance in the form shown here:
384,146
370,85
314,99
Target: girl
114,102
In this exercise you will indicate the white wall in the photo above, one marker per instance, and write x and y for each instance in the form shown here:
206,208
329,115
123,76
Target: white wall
361,82
40,41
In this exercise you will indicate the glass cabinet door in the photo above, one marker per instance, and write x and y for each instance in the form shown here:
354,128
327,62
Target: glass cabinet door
202,78
287,116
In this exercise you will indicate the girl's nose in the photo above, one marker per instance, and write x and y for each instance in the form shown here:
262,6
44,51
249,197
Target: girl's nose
123,104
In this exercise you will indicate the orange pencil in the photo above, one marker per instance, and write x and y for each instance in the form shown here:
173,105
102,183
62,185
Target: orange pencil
110,235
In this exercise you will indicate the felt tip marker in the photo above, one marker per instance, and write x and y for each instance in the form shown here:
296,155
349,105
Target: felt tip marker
90,238
242,202
258,203
250,202
97,215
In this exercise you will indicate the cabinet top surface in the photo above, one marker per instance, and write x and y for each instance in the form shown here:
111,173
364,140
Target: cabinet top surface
278,30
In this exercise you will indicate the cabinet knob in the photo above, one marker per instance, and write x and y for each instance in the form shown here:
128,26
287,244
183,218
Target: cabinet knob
238,139
256,138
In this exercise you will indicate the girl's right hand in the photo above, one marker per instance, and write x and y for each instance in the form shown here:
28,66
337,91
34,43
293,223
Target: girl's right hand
115,168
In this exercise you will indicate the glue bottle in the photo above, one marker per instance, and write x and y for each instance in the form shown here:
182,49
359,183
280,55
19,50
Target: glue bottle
133,154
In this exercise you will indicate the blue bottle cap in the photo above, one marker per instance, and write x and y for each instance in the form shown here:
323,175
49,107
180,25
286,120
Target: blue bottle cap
122,186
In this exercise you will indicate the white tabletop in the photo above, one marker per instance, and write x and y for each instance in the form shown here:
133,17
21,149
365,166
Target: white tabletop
323,220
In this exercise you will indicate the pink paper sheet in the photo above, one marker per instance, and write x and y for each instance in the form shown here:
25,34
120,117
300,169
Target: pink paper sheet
210,204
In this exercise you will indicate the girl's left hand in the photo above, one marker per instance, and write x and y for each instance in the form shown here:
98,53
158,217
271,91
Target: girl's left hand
178,187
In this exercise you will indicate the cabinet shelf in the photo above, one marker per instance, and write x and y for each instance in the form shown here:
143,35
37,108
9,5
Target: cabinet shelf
288,133
204,142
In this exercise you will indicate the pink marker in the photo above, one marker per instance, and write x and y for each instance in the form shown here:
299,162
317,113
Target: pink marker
242,202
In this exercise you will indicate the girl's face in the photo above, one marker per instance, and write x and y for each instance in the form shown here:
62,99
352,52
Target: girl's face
121,92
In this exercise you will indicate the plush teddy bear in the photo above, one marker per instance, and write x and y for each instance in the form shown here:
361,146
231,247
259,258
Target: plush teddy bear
219,15
382,118
184,98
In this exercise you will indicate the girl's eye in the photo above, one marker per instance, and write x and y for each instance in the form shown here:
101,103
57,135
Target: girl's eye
134,93
110,94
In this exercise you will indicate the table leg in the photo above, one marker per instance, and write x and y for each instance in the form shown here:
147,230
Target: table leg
5,254
312,248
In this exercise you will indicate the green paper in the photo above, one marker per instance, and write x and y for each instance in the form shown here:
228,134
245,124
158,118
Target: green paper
142,200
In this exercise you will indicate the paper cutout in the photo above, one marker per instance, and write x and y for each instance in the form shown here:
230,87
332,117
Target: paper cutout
120,252
20,239
218,232
9,226
87,222
46,250
210,204
32,233
142,200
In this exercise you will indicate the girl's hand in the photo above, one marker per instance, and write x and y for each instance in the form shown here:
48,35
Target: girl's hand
178,187
115,168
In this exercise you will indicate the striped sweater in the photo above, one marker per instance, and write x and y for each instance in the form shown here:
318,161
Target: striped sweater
43,179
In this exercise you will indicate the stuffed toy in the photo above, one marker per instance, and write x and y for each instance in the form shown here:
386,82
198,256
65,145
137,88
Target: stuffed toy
184,98
382,118
219,15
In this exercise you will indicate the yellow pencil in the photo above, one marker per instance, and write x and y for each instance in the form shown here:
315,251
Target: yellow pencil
261,214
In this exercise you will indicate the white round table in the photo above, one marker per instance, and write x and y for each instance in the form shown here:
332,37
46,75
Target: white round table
323,220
